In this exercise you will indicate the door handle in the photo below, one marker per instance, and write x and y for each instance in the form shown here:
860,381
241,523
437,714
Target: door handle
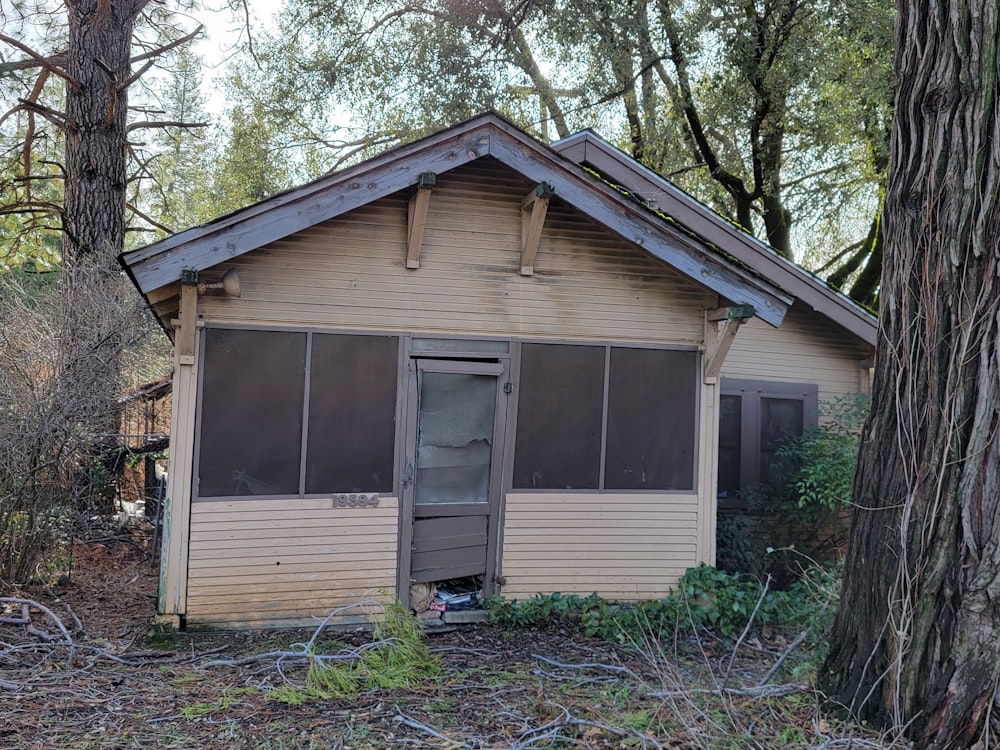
408,475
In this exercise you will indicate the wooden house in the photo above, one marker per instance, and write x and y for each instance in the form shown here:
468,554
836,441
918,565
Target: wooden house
473,356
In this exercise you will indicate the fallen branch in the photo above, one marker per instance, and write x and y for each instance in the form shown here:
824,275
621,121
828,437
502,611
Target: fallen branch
743,635
759,691
302,651
587,665
799,639
31,603
550,731
402,718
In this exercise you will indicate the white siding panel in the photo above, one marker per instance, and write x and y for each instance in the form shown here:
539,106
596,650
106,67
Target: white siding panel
268,563
621,546
805,349
349,273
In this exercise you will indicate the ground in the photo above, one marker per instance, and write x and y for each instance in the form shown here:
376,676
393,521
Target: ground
123,685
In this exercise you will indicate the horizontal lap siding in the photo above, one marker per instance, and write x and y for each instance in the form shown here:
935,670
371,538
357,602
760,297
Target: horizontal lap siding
624,547
349,273
805,349
287,562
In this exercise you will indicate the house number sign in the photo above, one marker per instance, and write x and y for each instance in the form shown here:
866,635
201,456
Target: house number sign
355,500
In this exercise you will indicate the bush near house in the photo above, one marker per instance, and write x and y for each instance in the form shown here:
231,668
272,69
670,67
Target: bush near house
798,516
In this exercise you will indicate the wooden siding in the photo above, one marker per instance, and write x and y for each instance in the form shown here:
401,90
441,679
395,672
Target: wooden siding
270,563
350,273
806,349
589,149
622,546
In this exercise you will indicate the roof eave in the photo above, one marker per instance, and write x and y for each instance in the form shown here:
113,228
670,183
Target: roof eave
334,194
588,148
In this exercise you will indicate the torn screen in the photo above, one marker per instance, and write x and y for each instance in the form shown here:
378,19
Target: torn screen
455,437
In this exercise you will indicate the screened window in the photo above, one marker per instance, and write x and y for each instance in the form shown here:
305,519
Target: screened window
651,420
258,388
352,413
251,413
634,408
559,417
755,419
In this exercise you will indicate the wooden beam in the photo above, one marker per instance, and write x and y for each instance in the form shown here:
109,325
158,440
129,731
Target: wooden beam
717,343
187,324
156,296
533,209
417,218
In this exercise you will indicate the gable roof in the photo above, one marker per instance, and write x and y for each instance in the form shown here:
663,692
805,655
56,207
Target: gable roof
589,149
489,135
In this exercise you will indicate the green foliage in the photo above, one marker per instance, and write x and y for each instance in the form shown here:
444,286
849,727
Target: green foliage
397,659
815,470
735,548
705,599
803,500
793,96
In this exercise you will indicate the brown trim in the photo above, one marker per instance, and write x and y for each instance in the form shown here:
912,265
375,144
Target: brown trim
407,436
416,222
604,416
751,392
304,444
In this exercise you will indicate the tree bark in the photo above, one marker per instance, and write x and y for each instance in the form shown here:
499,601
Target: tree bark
916,641
93,215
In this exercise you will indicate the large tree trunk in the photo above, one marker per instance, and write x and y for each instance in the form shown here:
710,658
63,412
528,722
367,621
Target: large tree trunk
916,642
97,61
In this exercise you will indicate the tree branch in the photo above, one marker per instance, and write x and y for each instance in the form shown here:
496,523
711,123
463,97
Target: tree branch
729,181
148,218
136,76
39,60
164,124
167,47
56,118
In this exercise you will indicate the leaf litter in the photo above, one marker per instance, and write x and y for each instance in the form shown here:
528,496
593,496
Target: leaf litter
81,667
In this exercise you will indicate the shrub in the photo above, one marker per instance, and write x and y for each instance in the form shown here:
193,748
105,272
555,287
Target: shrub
808,489
706,598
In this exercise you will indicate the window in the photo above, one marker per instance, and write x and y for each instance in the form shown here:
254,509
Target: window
352,413
651,420
251,413
559,417
255,399
755,418
600,417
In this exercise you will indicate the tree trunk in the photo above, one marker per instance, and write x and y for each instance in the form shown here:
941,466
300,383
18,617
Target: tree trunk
916,642
99,48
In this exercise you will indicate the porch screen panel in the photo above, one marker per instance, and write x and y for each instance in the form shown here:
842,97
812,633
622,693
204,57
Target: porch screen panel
559,415
652,398
251,413
352,413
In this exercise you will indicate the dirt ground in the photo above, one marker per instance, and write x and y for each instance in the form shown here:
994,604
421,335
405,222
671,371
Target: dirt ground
110,681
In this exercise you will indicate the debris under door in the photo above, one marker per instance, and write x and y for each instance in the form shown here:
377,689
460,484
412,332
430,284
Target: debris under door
438,600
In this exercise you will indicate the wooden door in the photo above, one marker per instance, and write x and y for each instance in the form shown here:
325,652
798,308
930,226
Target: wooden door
451,480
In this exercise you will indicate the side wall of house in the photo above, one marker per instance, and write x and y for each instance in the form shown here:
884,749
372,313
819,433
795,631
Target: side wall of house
349,274
806,349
